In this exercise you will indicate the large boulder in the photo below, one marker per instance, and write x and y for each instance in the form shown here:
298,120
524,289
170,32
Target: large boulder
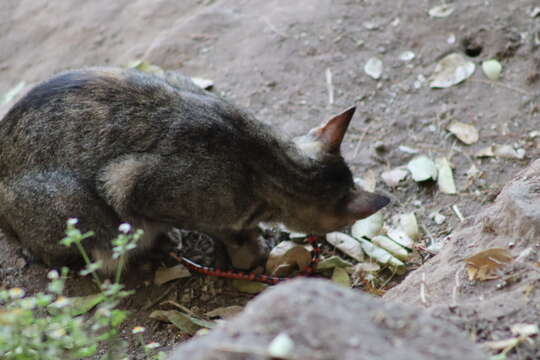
488,309
327,321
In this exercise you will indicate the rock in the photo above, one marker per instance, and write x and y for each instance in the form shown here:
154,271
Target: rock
514,218
327,321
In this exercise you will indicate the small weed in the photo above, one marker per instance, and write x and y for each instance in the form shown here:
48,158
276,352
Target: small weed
50,326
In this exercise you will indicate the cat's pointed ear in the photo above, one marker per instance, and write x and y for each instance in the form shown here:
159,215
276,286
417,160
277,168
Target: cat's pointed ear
331,133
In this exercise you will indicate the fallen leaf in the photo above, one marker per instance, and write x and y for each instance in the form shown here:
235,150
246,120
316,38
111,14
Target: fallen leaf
464,132
422,168
437,217
393,177
225,312
82,304
366,267
508,152
374,68
406,56
451,70
445,179
368,227
505,345
294,256
391,246
408,223
441,11
185,323
524,330
204,84
12,93
400,237
492,69
485,152
332,262
248,287
347,244
340,276
482,265
164,275
408,150
380,255
369,181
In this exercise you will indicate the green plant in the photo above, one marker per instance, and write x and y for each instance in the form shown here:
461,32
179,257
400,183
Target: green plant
49,325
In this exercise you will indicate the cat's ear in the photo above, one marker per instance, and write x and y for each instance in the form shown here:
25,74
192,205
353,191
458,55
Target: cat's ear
331,133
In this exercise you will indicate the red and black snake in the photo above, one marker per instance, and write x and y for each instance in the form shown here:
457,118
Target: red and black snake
234,274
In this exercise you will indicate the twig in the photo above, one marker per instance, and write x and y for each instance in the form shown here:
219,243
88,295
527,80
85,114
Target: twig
329,86
521,91
273,28
458,213
423,297
364,133
455,289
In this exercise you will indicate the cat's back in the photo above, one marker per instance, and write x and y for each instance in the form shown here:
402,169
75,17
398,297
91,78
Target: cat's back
82,118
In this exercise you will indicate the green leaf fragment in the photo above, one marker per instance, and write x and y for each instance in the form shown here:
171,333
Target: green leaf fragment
340,276
333,262
249,287
185,323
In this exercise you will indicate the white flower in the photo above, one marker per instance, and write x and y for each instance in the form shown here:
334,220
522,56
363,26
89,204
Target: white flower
16,293
125,228
138,330
60,302
72,221
58,333
53,275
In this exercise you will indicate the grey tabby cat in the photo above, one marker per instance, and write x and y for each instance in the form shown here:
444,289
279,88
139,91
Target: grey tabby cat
108,146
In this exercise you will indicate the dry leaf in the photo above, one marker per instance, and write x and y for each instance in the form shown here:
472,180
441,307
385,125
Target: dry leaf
340,276
492,69
332,262
464,132
524,330
164,275
409,225
422,168
445,179
380,255
374,68
485,152
369,181
248,287
368,227
225,312
481,266
185,323
346,244
391,246
204,84
399,236
451,70
393,177
290,254
441,11
366,267
508,152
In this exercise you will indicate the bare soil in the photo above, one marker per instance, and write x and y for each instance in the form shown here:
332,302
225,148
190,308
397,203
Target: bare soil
271,57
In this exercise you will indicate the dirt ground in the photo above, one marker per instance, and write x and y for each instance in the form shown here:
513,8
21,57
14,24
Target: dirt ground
271,57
